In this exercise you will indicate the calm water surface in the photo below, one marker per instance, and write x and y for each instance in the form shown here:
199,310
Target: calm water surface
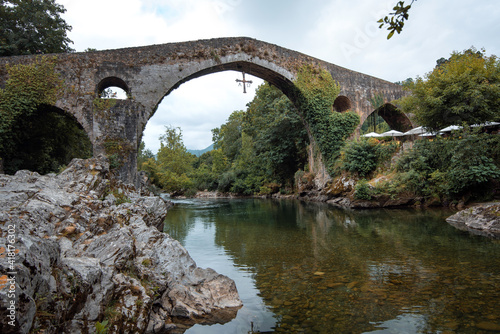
310,268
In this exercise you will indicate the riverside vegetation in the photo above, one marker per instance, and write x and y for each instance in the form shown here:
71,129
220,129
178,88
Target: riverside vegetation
263,150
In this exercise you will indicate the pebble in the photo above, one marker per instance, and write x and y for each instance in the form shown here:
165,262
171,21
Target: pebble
352,284
488,326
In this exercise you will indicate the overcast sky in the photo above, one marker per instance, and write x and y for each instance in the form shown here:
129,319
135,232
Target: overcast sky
343,32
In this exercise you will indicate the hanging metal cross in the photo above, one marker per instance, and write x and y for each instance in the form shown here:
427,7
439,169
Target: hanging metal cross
244,82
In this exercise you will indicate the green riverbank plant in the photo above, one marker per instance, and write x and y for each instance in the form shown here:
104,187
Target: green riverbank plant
362,190
462,166
363,156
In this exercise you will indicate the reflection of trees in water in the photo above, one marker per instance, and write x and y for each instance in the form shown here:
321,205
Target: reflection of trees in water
366,265
178,223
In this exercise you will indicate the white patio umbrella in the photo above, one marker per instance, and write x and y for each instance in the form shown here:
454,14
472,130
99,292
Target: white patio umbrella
450,128
427,134
485,124
371,134
391,133
415,131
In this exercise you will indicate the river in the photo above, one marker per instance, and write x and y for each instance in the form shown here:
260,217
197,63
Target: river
311,268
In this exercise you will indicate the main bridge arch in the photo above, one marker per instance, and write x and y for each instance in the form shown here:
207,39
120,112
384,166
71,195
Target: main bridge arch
149,73
280,78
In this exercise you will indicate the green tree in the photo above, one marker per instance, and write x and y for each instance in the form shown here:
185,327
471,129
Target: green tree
31,27
143,155
279,136
260,147
228,144
246,174
465,89
203,176
173,164
228,136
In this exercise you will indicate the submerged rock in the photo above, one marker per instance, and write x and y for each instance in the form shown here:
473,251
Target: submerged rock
88,250
481,219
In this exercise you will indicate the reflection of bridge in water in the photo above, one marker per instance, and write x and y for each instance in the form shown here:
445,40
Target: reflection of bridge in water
147,74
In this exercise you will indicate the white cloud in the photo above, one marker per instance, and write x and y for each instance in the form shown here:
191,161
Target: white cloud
111,24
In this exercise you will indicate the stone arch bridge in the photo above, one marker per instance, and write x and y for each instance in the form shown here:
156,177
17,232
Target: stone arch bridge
147,74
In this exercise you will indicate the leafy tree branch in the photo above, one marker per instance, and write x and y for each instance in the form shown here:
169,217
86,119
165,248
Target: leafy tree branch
396,20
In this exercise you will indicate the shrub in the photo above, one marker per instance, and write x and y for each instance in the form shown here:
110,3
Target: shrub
226,181
360,157
362,190
364,156
454,167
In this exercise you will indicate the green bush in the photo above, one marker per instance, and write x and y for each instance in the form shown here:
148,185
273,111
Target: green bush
362,190
462,165
360,157
226,181
365,155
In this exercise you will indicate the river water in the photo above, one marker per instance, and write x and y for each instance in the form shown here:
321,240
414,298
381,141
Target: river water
310,268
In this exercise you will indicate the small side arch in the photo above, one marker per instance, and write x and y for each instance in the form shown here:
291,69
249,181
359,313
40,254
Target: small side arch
342,103
112,82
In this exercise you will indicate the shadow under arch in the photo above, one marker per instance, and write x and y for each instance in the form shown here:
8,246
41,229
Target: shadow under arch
45,141
396,119
342,104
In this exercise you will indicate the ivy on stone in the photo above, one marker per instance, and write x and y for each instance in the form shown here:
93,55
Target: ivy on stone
317,92
34,134
27,88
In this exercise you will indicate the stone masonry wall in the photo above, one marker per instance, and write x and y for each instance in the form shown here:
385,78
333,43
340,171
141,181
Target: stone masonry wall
149,73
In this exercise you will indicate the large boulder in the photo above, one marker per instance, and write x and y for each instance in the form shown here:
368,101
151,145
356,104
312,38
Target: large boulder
480,219
88,251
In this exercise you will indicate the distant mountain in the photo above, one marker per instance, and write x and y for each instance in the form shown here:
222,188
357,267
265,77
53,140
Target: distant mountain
200,152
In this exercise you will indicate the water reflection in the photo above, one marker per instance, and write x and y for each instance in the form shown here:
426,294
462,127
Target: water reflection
310,268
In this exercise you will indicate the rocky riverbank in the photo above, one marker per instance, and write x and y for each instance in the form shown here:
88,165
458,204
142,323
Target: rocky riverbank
84,254
482,219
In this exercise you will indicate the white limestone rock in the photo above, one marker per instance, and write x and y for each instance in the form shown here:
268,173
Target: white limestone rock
84,257
480,219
